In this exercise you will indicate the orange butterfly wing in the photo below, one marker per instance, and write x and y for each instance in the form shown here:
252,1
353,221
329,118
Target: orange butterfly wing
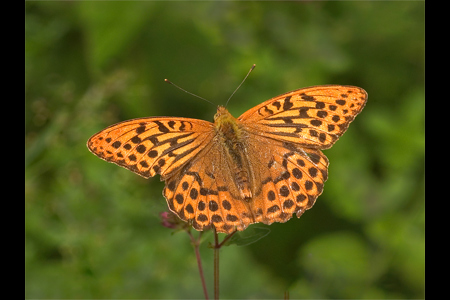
313,117
150,146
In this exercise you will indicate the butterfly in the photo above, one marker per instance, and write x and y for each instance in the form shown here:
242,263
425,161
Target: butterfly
263,167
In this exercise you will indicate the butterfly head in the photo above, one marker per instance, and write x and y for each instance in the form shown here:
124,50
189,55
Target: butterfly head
222,115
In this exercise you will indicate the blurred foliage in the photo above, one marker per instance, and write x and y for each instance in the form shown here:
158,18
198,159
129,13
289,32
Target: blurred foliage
93,229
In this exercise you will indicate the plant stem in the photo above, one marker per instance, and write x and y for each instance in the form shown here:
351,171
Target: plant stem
217,246
216,265
196,244
227,238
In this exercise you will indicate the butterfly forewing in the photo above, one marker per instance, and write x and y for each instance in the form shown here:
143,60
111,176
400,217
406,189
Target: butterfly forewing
150,146
313,117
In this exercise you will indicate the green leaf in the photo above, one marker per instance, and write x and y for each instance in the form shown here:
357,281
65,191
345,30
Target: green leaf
248,236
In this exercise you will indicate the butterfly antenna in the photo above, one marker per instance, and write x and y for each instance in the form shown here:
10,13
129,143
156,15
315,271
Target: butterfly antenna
251,69
170,82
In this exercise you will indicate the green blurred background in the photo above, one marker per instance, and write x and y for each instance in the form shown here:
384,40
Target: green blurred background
93,228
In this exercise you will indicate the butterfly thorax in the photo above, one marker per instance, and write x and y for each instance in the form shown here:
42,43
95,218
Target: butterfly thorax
227,127
231,136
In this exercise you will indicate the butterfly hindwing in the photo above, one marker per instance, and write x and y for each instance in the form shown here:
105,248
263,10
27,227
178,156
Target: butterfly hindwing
203,193
290,179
